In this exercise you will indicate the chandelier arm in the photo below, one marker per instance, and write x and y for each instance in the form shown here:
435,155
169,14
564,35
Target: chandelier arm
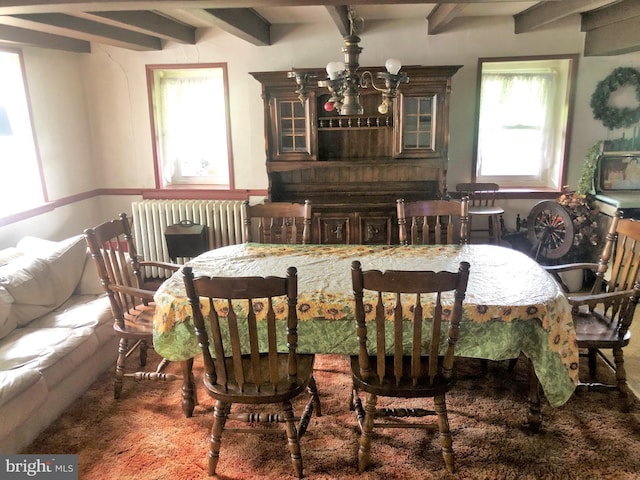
366,80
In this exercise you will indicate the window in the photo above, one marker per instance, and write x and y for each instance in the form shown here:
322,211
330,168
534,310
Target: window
523,128
190,125
21,186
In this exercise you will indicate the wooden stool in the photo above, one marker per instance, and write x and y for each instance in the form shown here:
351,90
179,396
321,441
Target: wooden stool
482,204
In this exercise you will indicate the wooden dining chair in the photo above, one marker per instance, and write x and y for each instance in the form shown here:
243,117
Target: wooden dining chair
617,265
432,221
602,317
422,368
602,323
277,222
121,275
482,204
256,373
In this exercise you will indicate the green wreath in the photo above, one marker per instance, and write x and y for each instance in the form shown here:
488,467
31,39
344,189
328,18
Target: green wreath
616,117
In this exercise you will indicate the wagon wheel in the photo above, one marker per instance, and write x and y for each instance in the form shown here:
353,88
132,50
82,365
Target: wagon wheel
550,230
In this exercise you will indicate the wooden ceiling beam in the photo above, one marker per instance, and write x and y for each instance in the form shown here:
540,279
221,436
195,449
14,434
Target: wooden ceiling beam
616,12
544,13
340,16
441,15
39,6
148,23
244,23
23,36
614,39
82,29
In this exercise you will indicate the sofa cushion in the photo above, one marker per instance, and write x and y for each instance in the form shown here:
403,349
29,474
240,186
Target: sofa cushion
7,323
29,282
77,311
54,352
44,277
66,259
23,393
89,283
8,255
15,382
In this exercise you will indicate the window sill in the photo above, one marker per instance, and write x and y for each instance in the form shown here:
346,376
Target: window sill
521,193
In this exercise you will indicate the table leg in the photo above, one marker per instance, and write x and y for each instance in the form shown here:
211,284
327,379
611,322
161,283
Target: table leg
534,416
189,399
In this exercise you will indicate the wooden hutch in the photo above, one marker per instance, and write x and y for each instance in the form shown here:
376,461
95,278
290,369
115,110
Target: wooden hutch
353,168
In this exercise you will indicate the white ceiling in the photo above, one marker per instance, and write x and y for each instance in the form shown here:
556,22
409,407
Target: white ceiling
611,26
317,13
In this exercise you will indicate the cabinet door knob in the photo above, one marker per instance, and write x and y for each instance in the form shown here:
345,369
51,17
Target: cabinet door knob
371,232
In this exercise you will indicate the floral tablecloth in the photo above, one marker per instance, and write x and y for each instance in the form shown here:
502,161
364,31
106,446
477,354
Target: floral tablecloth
512,304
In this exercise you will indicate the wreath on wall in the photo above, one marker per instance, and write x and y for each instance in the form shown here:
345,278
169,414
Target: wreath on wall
613,117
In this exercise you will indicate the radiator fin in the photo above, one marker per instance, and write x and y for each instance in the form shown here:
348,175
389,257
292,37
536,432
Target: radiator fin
151,218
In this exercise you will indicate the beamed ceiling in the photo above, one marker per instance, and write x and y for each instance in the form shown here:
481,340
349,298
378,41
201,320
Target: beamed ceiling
611,27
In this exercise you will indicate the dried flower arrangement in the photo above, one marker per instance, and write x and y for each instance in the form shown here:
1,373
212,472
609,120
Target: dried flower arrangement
587,236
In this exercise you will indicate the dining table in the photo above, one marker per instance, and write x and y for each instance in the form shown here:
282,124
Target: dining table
512,306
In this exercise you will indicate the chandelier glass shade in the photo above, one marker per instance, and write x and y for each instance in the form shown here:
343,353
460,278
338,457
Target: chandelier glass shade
344,81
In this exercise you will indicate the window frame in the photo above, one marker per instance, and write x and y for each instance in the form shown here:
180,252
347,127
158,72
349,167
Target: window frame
155,139
563,132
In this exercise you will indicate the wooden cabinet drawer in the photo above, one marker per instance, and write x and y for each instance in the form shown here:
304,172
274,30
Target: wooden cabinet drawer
333,228
375,229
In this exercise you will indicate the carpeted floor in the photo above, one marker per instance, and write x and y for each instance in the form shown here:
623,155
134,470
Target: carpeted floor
145,436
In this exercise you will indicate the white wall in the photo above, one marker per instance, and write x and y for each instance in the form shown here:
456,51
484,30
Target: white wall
92,117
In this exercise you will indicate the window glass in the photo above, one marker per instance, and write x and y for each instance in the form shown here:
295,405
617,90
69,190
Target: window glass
190,115
524,106
20,177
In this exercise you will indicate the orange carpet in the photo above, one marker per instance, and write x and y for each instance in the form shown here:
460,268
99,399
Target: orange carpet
145,436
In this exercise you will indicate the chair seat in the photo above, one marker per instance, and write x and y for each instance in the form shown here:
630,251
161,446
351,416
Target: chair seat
486,211
592,331
251,393
405,389
138,321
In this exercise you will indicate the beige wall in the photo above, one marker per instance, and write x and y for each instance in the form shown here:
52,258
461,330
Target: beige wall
92,119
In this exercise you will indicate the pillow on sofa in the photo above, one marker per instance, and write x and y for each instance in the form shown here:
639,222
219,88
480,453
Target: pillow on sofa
44,277
29,282
65,258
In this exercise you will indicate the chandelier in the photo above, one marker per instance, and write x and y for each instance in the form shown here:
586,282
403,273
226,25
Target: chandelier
344,82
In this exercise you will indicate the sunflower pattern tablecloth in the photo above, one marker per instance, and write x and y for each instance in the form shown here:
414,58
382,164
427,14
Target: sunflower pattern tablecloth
512,304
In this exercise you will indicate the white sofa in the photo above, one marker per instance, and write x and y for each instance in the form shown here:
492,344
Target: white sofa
56,334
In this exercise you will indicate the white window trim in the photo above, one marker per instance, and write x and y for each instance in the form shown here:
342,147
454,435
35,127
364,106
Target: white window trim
552,168
211,146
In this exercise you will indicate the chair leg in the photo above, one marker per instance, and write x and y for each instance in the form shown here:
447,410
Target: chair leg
592,361
123,348
143,352
621,379
491,230
189,391
445,434
162,366
292,438
364,451
220,412
312,389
